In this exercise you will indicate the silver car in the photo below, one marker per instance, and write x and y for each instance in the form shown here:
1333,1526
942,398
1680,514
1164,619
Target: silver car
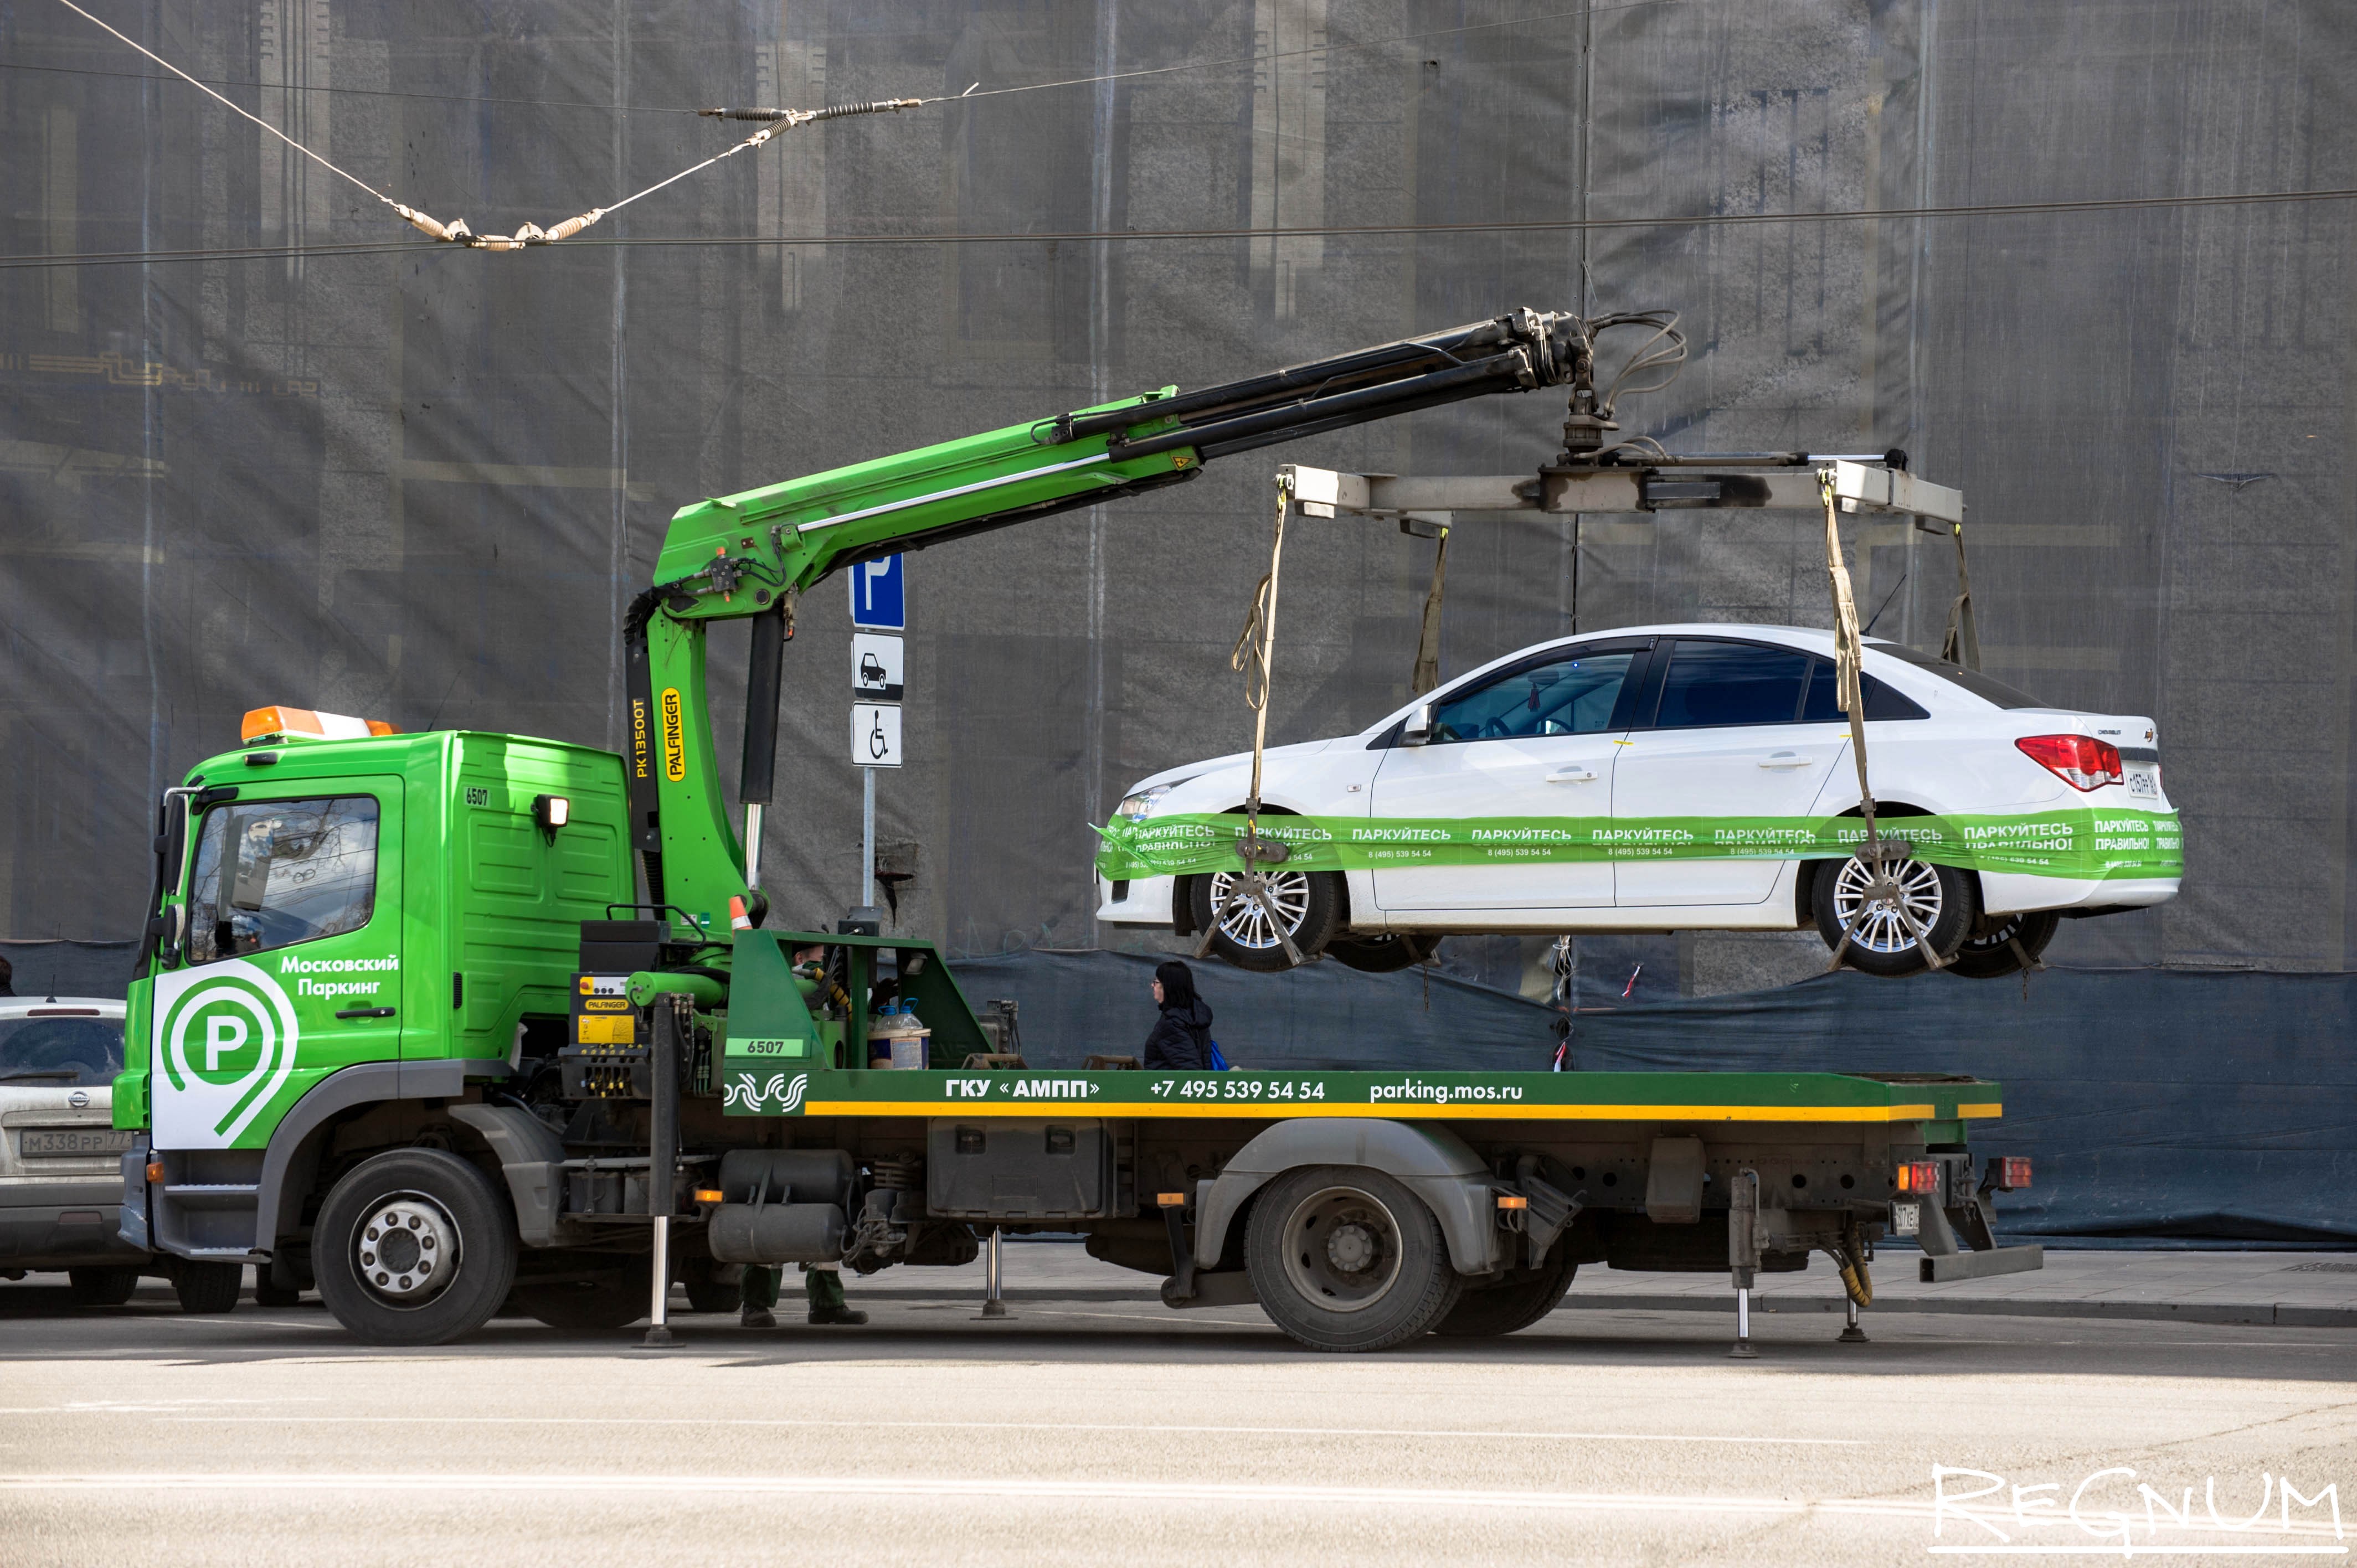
60,1157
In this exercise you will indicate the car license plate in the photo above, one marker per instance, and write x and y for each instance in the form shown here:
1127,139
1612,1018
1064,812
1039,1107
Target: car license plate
35,1141
2144,780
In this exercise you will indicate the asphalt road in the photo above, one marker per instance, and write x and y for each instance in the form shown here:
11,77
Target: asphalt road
1106,1432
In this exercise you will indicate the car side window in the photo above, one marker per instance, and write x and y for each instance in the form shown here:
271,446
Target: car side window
1571,695
1711,684
1881,702
270,874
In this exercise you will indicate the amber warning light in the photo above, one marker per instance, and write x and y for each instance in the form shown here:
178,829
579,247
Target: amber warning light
302,723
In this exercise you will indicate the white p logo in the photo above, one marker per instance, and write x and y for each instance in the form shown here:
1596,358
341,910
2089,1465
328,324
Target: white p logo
222,1034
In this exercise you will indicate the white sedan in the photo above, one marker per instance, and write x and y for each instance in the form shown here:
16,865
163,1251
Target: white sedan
1668,778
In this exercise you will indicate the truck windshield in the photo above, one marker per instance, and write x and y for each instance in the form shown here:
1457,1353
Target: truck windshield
270,874
1972,681
60,1052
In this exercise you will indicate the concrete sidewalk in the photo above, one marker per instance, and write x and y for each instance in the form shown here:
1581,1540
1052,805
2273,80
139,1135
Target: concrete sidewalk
2315,1290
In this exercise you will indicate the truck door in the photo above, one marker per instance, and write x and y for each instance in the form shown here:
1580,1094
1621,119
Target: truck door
1527,755
291,965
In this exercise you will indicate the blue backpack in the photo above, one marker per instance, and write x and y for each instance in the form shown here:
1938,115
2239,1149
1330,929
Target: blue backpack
1219,1062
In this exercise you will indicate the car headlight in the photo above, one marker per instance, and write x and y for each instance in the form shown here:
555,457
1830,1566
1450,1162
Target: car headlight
1136,808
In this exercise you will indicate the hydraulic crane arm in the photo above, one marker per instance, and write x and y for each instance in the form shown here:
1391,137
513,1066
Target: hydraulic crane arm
753,554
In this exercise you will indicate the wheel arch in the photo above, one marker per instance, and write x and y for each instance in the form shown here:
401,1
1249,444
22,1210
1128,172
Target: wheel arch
1433,1162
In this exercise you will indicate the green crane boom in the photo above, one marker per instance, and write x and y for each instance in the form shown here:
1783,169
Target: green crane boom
754,553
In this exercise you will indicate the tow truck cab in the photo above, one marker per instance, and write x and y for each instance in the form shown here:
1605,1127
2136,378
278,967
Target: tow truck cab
402,913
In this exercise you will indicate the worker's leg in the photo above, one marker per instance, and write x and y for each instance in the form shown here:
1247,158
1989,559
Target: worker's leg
823,1283
757,1295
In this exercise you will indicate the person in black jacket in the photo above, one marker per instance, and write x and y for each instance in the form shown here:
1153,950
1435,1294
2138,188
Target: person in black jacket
1182,1036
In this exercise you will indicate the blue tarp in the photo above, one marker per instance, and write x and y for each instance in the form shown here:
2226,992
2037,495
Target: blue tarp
2155,1105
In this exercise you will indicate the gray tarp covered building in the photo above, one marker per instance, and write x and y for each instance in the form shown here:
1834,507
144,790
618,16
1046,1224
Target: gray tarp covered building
300,455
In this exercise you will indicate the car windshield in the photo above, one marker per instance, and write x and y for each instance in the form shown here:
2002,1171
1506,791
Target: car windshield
1972,681
62,1051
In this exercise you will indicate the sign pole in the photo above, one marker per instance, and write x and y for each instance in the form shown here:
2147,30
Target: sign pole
867,838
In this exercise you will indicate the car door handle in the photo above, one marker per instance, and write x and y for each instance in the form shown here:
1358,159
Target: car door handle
1788,759
365,1013
1571,775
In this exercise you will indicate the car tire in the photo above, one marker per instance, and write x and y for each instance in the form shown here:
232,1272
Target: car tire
101,1287
1988,953
1310,901
208,1287
1944,900
599,1304
1382,955
1343,1258
436,1214
1510,1308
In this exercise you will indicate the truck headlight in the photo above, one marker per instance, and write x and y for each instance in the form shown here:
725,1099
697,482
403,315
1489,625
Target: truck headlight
1136,808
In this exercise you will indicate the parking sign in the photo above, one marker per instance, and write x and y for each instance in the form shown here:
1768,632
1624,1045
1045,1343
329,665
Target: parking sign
879,599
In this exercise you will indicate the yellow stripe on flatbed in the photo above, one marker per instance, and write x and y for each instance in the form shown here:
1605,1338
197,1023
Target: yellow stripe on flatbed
1261,1110
1979,1111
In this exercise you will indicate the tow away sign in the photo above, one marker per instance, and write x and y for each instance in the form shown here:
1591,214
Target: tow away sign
876,667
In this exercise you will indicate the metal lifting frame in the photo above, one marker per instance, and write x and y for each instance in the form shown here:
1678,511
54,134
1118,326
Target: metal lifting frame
1428,508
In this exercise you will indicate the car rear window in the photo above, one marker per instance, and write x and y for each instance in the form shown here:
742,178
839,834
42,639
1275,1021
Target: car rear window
1972,681
60,1053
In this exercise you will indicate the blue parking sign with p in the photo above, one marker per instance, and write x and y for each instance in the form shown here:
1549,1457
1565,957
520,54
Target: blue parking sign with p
879,595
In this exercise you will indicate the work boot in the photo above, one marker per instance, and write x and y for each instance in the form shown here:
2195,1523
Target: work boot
824,1290
757,1317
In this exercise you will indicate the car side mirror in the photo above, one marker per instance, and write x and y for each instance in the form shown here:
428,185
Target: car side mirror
1418,728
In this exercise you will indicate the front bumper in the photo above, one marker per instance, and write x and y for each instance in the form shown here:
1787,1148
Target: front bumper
1144,902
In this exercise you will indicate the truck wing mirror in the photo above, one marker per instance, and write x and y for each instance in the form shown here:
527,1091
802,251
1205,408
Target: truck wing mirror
1418,729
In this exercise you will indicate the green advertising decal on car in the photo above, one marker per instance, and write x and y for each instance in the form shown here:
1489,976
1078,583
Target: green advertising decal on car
2081,843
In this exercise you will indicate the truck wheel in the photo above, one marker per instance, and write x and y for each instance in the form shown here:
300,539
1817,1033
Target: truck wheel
711,1286
101,1287
1309,903
1989,954
208,1287
601,1304
414,1247
1382,955
1344,1258
1941,900
1512,1306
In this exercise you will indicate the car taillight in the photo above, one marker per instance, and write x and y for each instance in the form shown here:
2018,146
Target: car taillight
2079,760
2009,1173
1917,1175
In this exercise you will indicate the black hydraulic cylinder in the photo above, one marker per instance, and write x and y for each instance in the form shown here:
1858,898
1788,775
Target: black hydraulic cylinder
764,678
1270,426
662,1118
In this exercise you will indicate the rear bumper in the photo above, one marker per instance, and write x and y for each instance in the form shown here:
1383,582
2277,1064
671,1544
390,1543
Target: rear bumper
63,1236
2006,893
1144,902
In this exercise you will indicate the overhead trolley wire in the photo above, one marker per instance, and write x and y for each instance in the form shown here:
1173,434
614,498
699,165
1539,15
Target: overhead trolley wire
969,96
1331,231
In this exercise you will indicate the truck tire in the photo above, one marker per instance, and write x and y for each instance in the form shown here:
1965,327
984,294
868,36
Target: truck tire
711,1286
1510,1307
101,1287
414,1247
1344,1258
601,1304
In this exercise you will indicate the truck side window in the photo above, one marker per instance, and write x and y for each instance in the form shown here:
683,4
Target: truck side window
270,874
1574,695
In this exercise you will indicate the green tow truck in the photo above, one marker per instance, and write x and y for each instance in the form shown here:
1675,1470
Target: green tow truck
448,1022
